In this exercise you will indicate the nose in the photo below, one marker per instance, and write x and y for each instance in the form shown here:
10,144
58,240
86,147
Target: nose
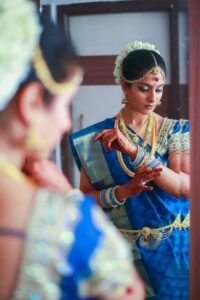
152,96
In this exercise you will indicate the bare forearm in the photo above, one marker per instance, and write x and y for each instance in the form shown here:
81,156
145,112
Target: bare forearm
172,179
174,183
117,195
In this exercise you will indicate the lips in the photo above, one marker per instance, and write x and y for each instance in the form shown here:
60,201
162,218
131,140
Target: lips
149,106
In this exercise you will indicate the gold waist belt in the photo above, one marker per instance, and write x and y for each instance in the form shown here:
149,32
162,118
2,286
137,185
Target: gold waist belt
159,233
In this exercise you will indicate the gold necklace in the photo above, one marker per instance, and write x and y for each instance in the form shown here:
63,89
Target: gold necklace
135,136
124,129
127,132
119,155
12,171
154,137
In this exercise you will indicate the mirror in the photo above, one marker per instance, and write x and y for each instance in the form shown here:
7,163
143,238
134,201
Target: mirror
100,31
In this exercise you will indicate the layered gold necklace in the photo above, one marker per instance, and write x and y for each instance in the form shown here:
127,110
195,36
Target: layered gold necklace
150,125
12,171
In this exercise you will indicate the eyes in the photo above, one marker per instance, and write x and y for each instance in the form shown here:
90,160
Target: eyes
145,88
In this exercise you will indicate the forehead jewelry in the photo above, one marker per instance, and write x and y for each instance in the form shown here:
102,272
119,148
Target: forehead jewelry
43,73
154,70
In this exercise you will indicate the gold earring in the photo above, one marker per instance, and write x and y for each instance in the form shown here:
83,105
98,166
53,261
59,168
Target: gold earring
32,140
124,99
159,103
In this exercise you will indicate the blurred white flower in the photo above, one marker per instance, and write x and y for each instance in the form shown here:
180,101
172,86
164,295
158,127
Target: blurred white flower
19,35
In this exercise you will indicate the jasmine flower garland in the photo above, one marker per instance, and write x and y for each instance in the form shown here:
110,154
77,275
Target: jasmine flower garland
19,35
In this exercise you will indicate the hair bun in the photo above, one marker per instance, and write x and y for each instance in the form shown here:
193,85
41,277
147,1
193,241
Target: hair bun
132,46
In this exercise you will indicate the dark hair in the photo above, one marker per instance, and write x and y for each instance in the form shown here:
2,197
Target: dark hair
58,52
138,62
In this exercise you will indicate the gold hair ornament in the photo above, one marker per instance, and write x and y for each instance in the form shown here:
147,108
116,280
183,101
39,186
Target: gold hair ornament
43,73
130,47
154,70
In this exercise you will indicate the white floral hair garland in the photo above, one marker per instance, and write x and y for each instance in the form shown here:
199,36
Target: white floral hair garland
136,45
19,35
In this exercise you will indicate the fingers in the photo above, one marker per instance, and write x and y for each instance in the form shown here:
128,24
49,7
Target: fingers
147,188
139,187
147,174
147,169
99,136
108,138
113,139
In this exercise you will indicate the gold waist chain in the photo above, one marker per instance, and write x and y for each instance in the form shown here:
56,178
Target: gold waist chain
159,233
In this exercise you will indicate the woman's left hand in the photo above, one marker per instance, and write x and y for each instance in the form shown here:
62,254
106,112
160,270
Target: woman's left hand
137,184
142,176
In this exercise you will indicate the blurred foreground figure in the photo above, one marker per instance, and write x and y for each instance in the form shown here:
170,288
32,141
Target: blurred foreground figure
52,246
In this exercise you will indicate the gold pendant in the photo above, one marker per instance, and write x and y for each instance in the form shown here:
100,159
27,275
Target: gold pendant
135,138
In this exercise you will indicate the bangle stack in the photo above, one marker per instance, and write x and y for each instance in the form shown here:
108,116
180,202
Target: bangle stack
108,199
143,158
152,162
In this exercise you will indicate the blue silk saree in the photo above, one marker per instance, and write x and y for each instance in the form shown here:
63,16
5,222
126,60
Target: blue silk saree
68,252
155,223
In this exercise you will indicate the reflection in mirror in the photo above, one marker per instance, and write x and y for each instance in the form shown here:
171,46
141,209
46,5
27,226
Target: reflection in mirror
149,207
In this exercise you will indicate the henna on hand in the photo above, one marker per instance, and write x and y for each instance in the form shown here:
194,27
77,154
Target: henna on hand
142,176
113,139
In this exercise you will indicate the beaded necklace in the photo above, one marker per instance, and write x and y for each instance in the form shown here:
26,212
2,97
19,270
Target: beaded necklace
150,130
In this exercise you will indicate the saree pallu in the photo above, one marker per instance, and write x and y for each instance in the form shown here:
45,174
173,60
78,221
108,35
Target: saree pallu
68,252
155,223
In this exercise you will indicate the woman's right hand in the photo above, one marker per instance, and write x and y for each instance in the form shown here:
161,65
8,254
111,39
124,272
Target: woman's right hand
113,139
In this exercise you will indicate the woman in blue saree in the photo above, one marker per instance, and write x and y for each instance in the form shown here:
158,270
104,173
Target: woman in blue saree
110,154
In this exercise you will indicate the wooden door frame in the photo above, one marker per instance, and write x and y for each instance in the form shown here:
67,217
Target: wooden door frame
194,107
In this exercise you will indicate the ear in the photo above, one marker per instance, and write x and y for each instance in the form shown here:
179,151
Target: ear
30,101
124,87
